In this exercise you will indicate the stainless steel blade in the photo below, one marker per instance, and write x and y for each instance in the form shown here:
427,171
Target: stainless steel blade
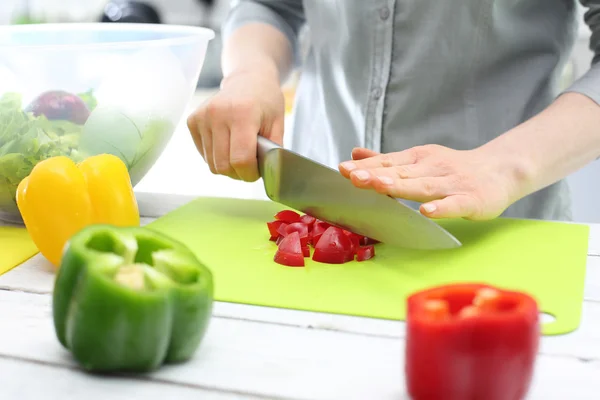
310,187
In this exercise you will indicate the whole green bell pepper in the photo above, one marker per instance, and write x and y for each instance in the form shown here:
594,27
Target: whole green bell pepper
130,299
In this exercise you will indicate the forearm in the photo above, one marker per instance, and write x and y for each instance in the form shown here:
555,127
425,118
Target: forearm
257,47
553,144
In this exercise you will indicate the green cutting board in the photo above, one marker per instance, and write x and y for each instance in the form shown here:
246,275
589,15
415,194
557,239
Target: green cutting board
546,259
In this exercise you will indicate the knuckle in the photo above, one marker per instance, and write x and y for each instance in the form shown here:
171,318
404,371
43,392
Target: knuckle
244,106
429,189
240,162
444,166
223,167
420,152
404,171
191,123
214,109
471,207
386,160
463,183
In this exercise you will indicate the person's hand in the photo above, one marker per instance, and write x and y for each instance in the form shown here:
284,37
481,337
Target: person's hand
450,183
225,128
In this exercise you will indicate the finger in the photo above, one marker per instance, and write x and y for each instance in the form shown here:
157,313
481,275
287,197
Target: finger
360,153
417,189
458,206
195,131
208,151
202,136
275,134
381,160
220,145
408,171
243,147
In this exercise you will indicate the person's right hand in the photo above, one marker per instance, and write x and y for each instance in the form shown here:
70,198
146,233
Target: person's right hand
226,127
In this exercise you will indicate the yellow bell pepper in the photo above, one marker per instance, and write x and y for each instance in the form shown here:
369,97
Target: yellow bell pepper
59,198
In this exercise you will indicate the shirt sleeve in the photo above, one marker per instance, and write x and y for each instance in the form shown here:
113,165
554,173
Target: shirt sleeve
285,15
589,83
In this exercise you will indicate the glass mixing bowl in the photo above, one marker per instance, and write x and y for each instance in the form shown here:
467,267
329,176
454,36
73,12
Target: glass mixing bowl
83,89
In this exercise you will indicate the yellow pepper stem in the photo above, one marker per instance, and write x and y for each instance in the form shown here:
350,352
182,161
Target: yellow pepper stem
59,198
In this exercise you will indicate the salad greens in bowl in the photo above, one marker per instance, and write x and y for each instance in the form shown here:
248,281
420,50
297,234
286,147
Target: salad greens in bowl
79,90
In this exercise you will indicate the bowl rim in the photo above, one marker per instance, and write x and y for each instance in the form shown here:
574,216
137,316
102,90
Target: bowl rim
189,34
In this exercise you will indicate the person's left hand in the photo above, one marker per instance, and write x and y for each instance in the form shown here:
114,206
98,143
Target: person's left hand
450,183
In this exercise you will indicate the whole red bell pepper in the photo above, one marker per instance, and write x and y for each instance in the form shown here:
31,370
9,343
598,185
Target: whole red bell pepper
469,342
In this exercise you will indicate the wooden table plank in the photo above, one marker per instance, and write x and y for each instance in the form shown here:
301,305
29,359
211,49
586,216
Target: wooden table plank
25,380
276,361
584,343
37,276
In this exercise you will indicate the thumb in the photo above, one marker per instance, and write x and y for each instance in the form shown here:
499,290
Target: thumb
457,206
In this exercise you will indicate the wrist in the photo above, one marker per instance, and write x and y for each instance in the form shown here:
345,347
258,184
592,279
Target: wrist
263,68
515,167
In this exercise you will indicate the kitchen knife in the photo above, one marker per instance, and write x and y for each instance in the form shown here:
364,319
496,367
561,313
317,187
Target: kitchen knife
312,188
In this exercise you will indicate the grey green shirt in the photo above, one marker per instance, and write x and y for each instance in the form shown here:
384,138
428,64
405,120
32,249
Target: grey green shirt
392,74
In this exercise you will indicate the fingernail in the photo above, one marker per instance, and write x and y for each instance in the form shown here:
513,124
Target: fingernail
429,207
386,180
348,166
361,175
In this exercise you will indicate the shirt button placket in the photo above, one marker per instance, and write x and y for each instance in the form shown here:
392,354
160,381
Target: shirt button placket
377,92
382,34
384,13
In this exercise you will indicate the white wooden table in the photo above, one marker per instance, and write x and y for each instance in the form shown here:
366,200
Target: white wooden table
262,353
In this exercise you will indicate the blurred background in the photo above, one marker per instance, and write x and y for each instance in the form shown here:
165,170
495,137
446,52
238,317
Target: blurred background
180,155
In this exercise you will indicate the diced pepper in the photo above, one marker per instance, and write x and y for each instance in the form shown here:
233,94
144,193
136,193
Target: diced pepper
289,251
297,227
306,251
288,216
340,245
319,227
365,253
334,247
60,197
307,220
273,229
470,341
130,299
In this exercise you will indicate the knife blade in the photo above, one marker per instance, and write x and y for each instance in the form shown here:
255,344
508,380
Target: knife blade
318,190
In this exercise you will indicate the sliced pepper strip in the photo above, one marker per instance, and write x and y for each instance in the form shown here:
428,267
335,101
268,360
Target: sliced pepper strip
60,197
470,341
130,299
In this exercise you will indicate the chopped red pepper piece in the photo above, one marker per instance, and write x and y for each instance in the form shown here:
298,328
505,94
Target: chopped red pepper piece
340,246
307,220
334,247
273,229
281,229
297,227
289,251
365,253
288,216
470,341
306,251
316,233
